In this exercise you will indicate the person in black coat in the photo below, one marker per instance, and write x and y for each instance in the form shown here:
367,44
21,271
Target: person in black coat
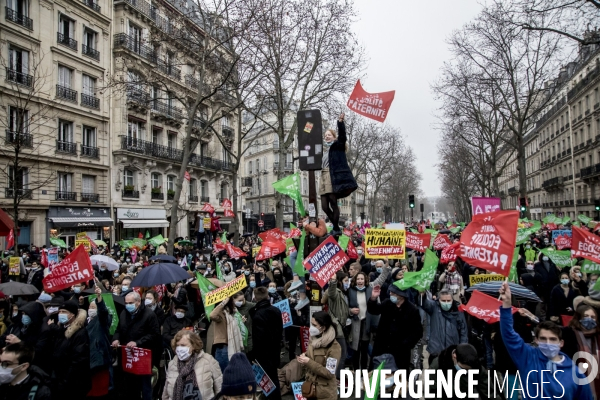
26,327
138,327
71,376
175,323
337,180
28,382
267,329
151,302
393,337
35,276
98,326
548,276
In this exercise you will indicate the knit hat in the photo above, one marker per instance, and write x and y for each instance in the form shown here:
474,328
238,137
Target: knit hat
238,377
394,289
70,306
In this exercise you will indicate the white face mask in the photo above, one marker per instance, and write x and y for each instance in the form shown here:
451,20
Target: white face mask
183,352
239,303
6,375
92,312
52,310
314,331
180,315
147,302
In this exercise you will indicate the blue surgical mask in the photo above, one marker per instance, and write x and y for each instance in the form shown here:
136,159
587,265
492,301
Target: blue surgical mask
446,306
458,367
252,284
379,270
272,290
77,289
550,350
63,318
124,288
130,307
346,286
360,288
25,319
116,274
246,272
564,281
394,299
588,323
545,258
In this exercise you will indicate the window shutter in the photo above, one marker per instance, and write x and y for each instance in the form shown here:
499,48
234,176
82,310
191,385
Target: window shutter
25,62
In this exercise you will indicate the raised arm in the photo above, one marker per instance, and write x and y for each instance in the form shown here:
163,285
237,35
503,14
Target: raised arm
342,138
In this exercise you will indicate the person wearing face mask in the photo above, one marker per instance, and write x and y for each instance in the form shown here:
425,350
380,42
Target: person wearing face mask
561,299
337,301
448,325
249,291
174,323
126,286
138,327
300,307
530,253
228,273
359,294
244,306
228,338
392,336
322,357
25,326
548,276
578,281
546,356
151,302
19,379
71,376
273,295
35,276
98,326
192,374
453,282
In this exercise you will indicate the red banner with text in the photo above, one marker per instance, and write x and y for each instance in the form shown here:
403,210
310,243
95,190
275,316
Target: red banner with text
370,105
585,245
75,268
136,360
418,241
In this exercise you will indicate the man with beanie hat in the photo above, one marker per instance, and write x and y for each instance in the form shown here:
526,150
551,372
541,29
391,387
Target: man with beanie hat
396,314
238,379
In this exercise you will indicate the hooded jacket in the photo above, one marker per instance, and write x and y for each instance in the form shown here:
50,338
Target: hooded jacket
98,331
446,327
528,358
342,180
36,377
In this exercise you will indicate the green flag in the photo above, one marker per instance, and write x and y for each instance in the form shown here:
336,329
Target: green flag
584,219
205,286
218,271
374,380
455,230
139,243
561,258
512,276
156,240
290,186
58,242
549,219
289,242
422,279
448,224
126,244
523,235
243,328
590,267
413,230
110,305
343,242
147,235
224,237
576,223
298,267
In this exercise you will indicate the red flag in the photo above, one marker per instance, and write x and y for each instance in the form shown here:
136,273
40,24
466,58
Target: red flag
234,252
208,208
489,241
418,242
75,268
187,176
551,226
229,213
449,253
136,360
294,233
44,259
304,338
585,245
226,203
484,307
272,235
370,105
351,251
218,247
10,240
270,249
441,242
563,242
347,232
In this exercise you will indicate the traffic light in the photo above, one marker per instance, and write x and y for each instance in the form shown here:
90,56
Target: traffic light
597,203
262,215
362,215
422,207
523,204
411,201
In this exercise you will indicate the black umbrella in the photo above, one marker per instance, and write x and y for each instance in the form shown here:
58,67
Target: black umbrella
17,289
163,257
492,288
444,231
159,274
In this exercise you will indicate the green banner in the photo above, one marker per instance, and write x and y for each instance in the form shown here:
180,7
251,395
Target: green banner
58,242
156,240
298,268
139,243
512,276
590,267
561,258
290,186
549,219
584,219
422,279
205,286
126,244
523,235
110,305
343,242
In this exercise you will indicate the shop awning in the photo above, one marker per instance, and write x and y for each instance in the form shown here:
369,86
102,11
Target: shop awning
6,223
145,223
70,222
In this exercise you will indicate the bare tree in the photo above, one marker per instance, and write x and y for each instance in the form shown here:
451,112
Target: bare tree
29,142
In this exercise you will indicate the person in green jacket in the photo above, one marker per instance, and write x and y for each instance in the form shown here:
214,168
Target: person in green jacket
244,308
530,254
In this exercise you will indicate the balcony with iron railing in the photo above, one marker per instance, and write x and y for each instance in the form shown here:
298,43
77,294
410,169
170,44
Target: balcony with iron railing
18,77
553,183
166,109
590,172
90,101
11,193
192,199
18,18
157,195
89,151
227,132
513,190
246,181
204,199
66,93
137,96
130,194
286,167
66,196
225,97
92,4
169,69
66,41
66,147
90,52
199,124
90,197
122,40
19,139
589,77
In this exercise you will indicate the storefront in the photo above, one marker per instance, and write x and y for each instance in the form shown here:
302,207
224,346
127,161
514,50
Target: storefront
145,221
66,222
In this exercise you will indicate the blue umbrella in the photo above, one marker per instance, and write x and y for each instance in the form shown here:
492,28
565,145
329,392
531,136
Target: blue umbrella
163,257
493,288
159,274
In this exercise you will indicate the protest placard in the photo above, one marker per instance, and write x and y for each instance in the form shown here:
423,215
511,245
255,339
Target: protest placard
441,241
136,360
325,261
475,279
220,294
84,242
297,390
385,243
304,337
418,241
14,266
110,305
75,268
562,238
262,379
590,267
286,312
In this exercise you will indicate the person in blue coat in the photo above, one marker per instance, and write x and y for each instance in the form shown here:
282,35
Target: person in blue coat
546,359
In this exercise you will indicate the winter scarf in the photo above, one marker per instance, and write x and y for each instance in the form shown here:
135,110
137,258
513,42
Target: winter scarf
583,346
324,340
453,281
186,373
235,342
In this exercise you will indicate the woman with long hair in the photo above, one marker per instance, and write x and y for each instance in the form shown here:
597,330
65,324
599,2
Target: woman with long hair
228,338
192,371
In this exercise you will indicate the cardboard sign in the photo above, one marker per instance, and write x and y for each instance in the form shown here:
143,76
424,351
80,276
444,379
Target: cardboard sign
475,279
286,312
418,242
304,337
84,242
75,268
81,235
562,238
325,261
489,241
255,251
206,223
297,390
484,307
136,360
370,105
585,245
385,243
482,205
441,242
14,266
228,290
52,257
263,380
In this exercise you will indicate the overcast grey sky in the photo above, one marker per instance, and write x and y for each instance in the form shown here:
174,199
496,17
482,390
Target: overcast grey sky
405,45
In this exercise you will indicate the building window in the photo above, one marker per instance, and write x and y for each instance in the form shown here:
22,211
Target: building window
88,184
89,136
18,120
172,140
89,85
64,182
224,191
155,180
18,178
20,7
66,30
18,67
65,131
193,187
64,77
250,171
171,182
135,130
128,178
156,136
204,189
204,150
